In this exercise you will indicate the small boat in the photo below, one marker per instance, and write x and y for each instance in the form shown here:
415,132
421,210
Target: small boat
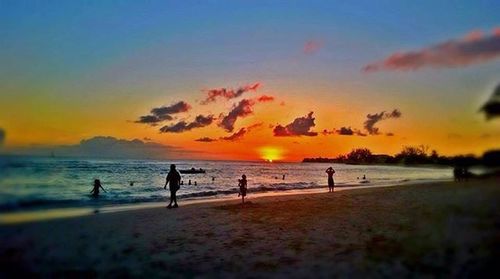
192,171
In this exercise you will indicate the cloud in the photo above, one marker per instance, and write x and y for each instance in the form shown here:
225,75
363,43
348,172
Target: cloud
228,94
312,46
242,132
236,136
301,126
205,139
163,113
107,147
472,49
344,131
348,131
153,120
2,136
373,119
243,109
182,126
265,98
492,107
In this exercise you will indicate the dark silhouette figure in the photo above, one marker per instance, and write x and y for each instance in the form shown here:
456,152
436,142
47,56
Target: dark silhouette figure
461,173
131,183
242,183
284,176
213,178
174,178
330,171
95,190
189,182
195,183
364,177
182,182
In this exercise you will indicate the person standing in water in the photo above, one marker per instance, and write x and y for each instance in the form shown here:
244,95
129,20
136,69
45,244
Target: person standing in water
95,190
330,171
174,178
242,183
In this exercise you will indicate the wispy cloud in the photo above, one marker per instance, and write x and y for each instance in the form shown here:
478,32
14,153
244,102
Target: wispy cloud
373,119
242,132
265,98
182,126
236,136
344,131
301,126
205,139
472,49
163,113
226,93
312,46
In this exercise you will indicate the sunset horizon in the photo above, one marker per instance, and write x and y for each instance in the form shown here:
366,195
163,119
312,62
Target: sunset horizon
203,90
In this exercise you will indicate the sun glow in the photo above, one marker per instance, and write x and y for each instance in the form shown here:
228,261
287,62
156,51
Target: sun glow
271,154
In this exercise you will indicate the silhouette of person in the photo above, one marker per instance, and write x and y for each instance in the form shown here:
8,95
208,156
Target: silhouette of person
95,190
189,182
330,171
284,176
213,178
242,183
195,183
174,178
364,177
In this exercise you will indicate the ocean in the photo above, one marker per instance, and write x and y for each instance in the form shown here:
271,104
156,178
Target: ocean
35,182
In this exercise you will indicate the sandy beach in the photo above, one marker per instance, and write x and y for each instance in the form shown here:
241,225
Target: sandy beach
440,229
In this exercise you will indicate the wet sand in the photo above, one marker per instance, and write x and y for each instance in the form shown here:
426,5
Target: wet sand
441,229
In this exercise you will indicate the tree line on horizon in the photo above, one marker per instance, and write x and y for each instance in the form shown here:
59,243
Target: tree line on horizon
410,155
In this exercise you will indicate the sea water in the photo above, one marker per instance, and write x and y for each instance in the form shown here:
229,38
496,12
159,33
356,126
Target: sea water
35,182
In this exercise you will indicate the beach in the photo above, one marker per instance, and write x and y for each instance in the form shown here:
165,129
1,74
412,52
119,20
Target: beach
436,229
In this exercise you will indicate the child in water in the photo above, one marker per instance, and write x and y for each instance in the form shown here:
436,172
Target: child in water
242,183
95,190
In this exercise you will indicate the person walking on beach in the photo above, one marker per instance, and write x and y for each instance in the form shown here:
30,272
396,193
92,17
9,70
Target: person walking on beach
95,190
174,178
330,171
242,183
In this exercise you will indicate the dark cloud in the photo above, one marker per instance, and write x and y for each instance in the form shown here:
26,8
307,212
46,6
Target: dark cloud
301,126
312,46
373,119
492,107
182,126
243,109
344,131
236,136
205,139
153,120
107,147
2,136
163,113
472,49
242,132
389,134
265,98
348,131
228,94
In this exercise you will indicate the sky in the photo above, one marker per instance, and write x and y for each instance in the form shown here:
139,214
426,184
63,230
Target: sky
247,80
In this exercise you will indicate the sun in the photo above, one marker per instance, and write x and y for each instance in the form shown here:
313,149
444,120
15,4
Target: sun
270,154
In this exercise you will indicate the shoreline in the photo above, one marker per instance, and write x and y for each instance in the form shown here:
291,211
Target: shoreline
447,229
51,213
